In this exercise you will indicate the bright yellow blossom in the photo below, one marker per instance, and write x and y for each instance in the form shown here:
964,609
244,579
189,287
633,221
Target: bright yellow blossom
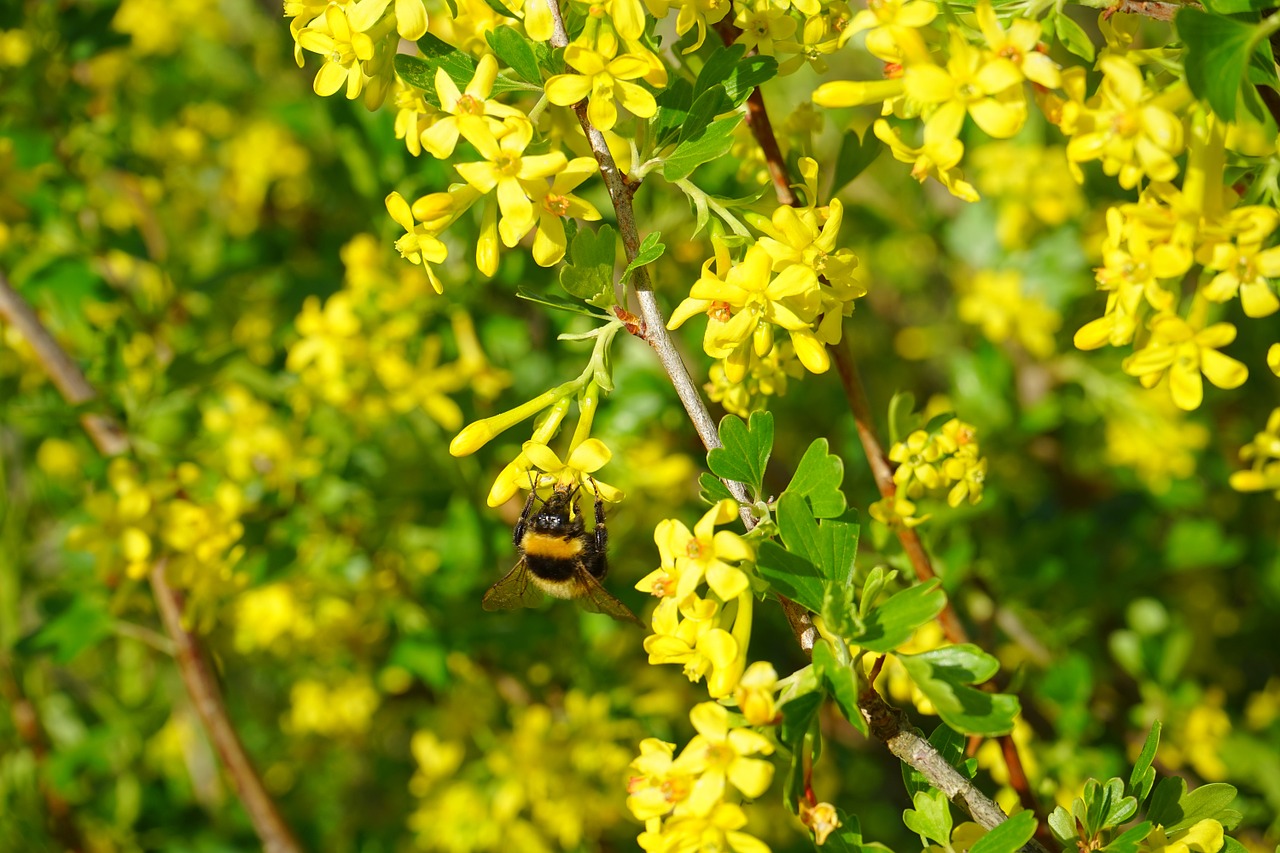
470,114
605,80
1183,352
583,460
981,84
719,755
556,203
508,169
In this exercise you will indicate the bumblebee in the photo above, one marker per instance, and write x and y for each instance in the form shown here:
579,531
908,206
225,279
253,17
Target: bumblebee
559,556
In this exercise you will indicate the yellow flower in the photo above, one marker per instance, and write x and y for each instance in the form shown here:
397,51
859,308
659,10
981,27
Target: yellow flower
937,157
755,694
890,23
584,460
655,788
471,114
556,203
703,553
1244,268
1264,450
822,819
916,457
1018,45
699,13
763,24
507,169
1203,837
698,644
418,245
604,80
343,46
1184,353
721,755
747,303
984,85
995,302
719,830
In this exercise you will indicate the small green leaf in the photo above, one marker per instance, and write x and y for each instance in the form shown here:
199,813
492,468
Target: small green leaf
1144,775
1073,37
706,106
1208,802
931,817
1063,826
838,611
554,300
871,587
84,622
830,547
950,745
747,75
711,144
673,108
1236,7
1218,51
848,836
746,450
418,72
1106,806
1165,808
460,66
719,66
1008,836
589,275
943,675
650,250
818,478
516,51
713,488
892,623
1128,841
841,681
856,154
792,575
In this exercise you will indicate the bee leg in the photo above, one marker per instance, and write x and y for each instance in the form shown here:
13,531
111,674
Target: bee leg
518,532
602,533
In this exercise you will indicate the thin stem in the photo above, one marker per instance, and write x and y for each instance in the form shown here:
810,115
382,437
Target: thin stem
620,193
202,687
693,191
103,431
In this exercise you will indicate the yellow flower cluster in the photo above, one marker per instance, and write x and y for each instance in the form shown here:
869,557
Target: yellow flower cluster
944,85
947,459
703,623
794,278
365,349
1031,185
995,302
358,40
344,708
1264,454
138,522
542,784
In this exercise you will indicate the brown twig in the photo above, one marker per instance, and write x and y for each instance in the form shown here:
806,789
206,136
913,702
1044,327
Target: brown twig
202,688
1147,8
104,432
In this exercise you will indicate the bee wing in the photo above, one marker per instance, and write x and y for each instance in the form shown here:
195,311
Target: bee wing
597,599
514,590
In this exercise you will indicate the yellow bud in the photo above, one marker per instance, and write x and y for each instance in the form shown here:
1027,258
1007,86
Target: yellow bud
135,545
821,818
58,458
472,437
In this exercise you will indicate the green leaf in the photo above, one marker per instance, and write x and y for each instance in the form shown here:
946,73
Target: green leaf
1217,53
673,108
818,478
892,623
1106,806
841,681
589,275
1073,37
554,300
831,547
1208,802
1063,826
706,106
1008,836
720,64
84,622
1144,775
856,154
871,587
746,450
942,675
1128,841
931,817
711,144
650,250
496,5
516,51
713,490
839,612
1236,7
418,72
747,75
799,732
792,575
848,836
1165,808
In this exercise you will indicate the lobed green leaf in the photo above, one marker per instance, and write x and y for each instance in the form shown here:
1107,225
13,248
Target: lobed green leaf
712,143
745,451
817,480
1009,836
892,623
943,675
